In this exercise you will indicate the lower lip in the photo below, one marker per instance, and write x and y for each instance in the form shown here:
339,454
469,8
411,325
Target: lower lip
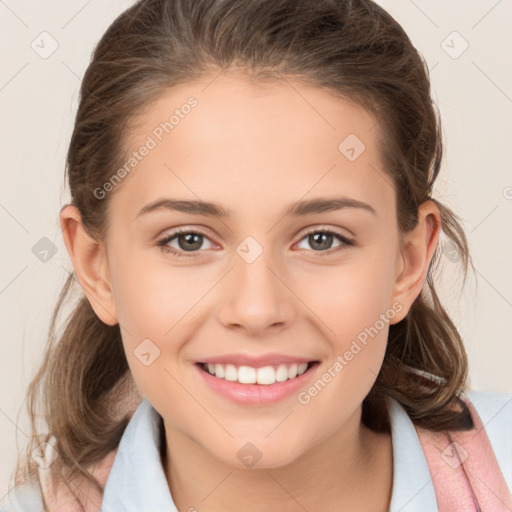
256,394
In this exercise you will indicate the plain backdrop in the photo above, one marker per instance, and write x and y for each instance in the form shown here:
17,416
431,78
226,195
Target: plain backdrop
46,47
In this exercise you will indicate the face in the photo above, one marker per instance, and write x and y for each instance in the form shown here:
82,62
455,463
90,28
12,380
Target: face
279,285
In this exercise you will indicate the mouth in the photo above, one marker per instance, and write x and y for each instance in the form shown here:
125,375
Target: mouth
263,376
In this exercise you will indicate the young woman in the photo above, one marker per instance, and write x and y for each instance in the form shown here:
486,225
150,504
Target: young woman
253,228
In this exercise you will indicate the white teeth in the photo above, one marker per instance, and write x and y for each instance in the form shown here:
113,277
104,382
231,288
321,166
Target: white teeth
265,375
246,375
230,373
292,371
282,373
302,368
219,371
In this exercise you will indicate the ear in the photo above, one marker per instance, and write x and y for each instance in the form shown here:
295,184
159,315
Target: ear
418,246
90,263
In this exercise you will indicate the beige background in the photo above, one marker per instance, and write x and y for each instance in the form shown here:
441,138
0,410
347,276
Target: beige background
38,98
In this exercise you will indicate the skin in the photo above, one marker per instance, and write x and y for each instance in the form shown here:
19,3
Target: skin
255,148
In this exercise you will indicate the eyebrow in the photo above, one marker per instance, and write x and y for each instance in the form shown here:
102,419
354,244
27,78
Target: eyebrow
296,209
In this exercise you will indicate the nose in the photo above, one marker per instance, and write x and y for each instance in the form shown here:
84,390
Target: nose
257,297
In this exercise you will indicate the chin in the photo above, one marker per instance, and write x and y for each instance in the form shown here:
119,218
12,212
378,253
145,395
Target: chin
254,455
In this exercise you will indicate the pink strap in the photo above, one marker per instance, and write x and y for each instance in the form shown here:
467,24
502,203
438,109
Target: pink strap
125,398
464,469
58,498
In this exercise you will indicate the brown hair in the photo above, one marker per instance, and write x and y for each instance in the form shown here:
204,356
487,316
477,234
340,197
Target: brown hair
351,47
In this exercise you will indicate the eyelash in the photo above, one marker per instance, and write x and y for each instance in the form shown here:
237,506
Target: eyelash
162,244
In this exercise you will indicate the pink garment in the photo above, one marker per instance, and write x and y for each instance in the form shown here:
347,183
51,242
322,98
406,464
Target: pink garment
125,398
465,474
58,498
464,469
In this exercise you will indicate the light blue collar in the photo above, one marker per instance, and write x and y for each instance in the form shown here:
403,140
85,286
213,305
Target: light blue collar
413,490
137,479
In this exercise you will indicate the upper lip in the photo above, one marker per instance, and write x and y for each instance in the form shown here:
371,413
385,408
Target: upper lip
255,361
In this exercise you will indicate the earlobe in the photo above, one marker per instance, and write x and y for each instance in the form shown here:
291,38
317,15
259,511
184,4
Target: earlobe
90,263
416,254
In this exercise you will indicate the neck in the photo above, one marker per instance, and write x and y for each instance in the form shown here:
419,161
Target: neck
334,475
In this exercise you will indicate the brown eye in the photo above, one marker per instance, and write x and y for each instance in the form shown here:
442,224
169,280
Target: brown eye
321,240
185,242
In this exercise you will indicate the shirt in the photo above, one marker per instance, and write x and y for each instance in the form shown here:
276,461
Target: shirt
137,481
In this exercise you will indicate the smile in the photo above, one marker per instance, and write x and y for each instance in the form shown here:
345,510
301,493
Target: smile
265,375
256,386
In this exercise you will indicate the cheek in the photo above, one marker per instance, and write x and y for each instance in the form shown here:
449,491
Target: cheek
353,303
356,313
156,303
152,295
350,297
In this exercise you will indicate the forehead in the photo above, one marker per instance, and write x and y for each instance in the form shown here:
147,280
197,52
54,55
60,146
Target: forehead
250,144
